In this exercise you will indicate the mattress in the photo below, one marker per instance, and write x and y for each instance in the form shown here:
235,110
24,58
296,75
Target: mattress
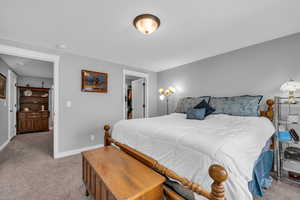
189,147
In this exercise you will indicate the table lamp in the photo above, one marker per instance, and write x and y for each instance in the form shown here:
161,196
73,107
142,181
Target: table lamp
291,87
165,94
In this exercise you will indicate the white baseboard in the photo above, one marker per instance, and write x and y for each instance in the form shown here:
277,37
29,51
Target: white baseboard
4,144
76,151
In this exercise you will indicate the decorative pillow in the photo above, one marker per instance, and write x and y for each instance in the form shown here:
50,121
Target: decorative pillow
239,105
189,102
208,108
193,113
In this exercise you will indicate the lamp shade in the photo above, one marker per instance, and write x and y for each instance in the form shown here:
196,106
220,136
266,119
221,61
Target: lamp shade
172,89
161,91
162,97
290,85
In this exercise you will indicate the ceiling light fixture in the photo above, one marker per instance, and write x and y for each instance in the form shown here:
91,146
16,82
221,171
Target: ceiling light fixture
146,23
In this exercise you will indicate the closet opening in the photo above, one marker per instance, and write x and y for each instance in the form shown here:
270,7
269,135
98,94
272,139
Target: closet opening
135,93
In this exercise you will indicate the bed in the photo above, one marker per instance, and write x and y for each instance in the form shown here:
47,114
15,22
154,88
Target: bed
224,145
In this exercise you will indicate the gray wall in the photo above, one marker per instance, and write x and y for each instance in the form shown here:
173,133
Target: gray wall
89,111
258,69
4,106
35,81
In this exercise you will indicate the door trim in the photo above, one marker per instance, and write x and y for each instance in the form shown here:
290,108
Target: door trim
9,99
14,51
141,75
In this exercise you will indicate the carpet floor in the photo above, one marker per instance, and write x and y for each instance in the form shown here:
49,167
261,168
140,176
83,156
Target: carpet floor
28,172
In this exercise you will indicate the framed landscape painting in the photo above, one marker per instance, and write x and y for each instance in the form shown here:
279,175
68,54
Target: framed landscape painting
93,81
2,86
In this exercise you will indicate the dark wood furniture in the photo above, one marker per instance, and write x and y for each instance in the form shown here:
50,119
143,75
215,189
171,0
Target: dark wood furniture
110,174
33,114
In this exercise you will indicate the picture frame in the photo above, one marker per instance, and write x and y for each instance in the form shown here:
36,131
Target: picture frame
94,81
2,86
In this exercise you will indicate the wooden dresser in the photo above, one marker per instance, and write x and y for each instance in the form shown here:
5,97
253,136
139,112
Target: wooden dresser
110,174
33,114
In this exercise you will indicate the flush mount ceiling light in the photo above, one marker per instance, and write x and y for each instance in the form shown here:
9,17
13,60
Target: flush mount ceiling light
146,23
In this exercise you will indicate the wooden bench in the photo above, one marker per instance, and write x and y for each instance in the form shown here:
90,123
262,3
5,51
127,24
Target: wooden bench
110,174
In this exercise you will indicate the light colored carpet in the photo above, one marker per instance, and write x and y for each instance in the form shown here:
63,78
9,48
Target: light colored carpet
28,172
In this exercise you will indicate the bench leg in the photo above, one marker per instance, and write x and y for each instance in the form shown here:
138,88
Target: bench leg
87,193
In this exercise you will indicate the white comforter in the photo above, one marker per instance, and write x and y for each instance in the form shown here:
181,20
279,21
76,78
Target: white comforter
189,147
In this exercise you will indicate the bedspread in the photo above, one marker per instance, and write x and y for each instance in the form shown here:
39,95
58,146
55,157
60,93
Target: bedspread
189,147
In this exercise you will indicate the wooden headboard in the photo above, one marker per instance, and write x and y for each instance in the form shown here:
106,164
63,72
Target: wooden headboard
269,113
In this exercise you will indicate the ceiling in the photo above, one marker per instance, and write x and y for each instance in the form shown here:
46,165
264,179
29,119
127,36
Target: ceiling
29,67
190,30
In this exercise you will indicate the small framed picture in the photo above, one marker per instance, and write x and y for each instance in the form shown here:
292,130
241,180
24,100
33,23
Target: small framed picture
93,81
2,86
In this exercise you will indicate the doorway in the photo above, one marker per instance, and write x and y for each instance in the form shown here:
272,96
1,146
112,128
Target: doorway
135,94
29,100
53,124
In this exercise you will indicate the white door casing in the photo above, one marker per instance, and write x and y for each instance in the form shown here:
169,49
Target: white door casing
138,98
137,74
12,104
126,100
52,101
15,51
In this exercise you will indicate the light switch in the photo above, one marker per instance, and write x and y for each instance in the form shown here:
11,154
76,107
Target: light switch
69,104
92,137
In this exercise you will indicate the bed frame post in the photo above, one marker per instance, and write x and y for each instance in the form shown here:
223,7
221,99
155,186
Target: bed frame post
219,175
107,141
269,113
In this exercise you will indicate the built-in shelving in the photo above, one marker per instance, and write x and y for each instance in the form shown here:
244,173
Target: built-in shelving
33,114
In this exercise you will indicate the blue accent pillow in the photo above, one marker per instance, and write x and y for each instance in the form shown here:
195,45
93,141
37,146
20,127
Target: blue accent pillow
189,102
208,108
239,105
193,113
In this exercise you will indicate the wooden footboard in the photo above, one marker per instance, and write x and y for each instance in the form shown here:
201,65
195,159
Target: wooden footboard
216,172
